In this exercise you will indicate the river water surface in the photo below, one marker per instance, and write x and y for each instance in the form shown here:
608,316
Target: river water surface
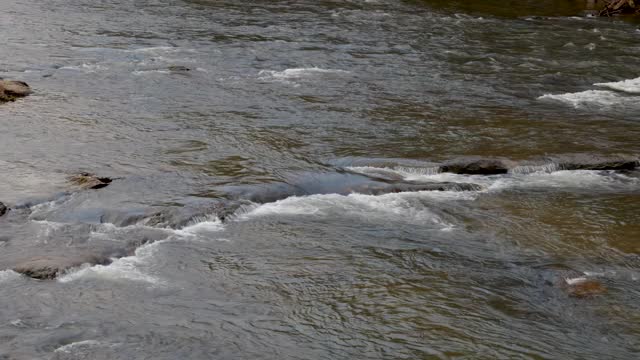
285,91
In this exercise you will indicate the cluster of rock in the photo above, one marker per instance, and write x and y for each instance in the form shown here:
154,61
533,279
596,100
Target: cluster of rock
10,90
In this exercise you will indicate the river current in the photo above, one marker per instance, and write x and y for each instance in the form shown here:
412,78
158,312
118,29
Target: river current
185,102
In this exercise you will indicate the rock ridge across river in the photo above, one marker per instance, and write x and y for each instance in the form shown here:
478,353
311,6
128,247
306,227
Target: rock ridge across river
342,181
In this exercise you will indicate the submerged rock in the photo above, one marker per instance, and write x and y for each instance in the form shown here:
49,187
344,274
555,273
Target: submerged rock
90,181
583,287
178,68
50,267
596,162
10,90
3,209
476,166
381,189
341,183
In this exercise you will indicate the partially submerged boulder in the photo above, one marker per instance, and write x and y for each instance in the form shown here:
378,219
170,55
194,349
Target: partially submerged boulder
50,267
596,162
90,181
10,90
3,209
478,166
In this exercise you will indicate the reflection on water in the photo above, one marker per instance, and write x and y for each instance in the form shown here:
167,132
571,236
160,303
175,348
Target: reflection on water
281,97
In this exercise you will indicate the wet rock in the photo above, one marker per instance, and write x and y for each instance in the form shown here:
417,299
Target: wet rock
476,166
3,209
10,90
596,162
495,166
583,287
49,267
90,181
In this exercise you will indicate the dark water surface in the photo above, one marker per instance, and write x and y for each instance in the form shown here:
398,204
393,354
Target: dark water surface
280,91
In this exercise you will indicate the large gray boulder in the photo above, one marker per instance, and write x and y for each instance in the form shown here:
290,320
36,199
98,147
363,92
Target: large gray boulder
10,90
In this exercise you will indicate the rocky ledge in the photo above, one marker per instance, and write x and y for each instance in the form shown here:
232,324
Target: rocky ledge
49,267
495,166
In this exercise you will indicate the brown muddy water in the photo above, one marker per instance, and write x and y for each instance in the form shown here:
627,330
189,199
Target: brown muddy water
539,263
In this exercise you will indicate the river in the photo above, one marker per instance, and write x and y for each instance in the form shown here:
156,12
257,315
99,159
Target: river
185,102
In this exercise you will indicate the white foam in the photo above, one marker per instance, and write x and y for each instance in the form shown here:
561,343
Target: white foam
126,268
629,86
580,179
47,228
588,97
575,281
155,49
528,169
548,175
83,67
409,173
406,206
133,267
201,227
155,71
78,344
8,275
297,73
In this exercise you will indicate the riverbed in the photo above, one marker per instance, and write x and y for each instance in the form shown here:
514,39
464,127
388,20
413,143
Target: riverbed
184,102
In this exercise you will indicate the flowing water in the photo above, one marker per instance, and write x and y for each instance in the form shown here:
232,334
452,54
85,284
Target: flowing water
280,91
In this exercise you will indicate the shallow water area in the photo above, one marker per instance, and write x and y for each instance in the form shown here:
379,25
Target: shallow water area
191,106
